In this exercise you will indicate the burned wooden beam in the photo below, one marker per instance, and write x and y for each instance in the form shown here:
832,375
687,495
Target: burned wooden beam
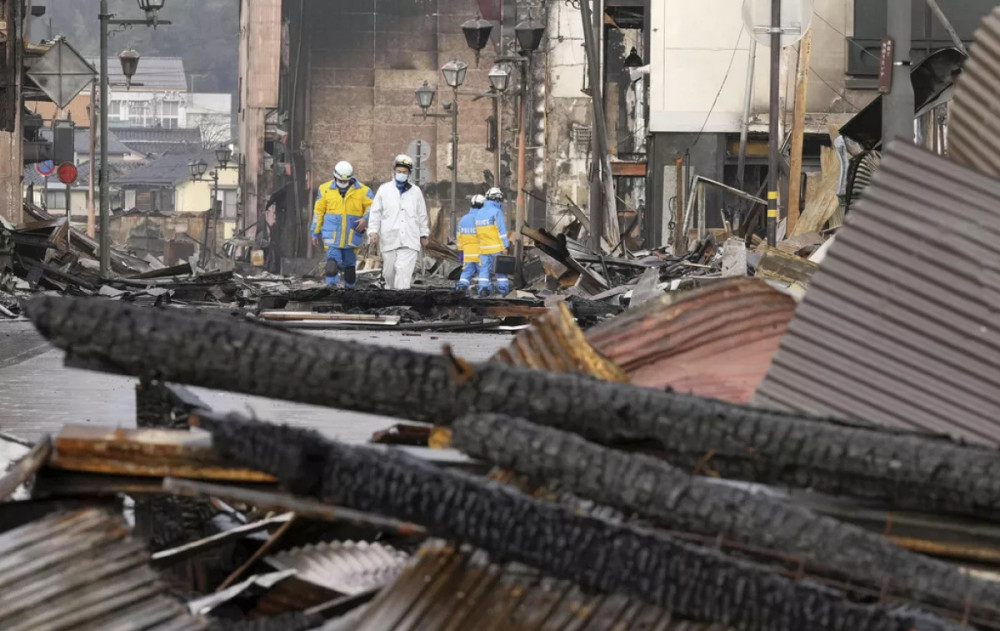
679,501
695,582
425,302
144,452
901,469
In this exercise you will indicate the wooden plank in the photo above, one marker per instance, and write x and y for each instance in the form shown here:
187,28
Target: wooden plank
629,169
25,467
302,507
821,195
798,130
145,452
784,267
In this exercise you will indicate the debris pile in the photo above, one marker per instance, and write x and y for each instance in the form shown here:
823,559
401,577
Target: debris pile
769,439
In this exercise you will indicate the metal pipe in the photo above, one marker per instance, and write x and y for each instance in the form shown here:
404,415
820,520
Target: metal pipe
454,164
105,210
946,23
91,217
745,130
521,157
898,106
774,156
602,156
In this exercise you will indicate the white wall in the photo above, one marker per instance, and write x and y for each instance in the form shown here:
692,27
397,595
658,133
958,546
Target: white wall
693,45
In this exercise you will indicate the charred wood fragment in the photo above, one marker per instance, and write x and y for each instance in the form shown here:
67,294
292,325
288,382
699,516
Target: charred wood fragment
422,301
900,469
676,500
688,580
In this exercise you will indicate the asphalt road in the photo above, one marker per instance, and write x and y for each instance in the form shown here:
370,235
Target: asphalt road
39,395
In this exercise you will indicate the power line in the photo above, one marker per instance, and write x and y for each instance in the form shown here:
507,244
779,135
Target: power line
835,90
844,35
736,48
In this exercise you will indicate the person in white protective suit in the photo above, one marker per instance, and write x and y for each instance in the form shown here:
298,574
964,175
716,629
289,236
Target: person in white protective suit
398,224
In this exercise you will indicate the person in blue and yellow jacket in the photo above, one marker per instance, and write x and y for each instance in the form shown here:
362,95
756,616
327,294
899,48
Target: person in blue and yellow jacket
468,244
491,228
340,218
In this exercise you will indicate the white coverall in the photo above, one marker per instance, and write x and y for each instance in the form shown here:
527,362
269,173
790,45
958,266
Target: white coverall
399,218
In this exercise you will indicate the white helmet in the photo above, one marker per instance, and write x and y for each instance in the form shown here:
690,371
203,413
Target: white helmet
478,201
343,171
494,194
403,160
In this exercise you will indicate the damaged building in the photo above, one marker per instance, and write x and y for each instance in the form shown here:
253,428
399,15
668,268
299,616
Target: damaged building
310,100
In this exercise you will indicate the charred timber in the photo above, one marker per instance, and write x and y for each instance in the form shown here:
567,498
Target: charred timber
694,582
422,301
900,469
653,489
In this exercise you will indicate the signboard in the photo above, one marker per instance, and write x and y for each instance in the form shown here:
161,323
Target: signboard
796,17
46,168
885,60
61,73
67,172
420,151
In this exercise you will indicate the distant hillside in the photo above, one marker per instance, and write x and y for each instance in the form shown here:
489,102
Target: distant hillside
205,33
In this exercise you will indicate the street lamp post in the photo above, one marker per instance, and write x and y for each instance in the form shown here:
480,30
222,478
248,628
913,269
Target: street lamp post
129,65
198,168
454,75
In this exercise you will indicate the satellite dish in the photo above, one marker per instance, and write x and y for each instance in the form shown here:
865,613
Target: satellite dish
796,17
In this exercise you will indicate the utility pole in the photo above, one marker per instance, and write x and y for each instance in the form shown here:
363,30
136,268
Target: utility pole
774,143
606,224
105,177
91,216
898,106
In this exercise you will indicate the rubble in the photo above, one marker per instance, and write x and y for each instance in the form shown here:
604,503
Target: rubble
599,555
679,501
611,468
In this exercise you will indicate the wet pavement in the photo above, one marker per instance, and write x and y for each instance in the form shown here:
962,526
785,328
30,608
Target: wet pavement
38,395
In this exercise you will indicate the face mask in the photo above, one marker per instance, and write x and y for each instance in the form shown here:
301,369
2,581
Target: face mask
402,177
342,183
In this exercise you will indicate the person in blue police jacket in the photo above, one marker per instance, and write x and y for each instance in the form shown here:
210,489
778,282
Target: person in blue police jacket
468,244
340,218
491,228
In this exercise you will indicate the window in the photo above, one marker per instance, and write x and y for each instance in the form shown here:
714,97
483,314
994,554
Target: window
170,114
115,111
230,203
55,200
139,114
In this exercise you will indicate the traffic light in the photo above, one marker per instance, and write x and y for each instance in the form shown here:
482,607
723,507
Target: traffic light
63,141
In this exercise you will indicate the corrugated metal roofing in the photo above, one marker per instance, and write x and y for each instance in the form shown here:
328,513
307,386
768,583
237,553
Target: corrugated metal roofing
83,571
974,128
447,589
900,325
555,343
346,567
716,341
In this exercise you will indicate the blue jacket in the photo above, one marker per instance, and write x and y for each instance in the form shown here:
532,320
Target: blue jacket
335,216
491,227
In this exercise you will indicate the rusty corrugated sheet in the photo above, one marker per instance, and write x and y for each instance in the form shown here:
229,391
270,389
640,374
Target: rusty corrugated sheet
974,127
715,342
900,325
83,571
450,590
346,567
555,343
